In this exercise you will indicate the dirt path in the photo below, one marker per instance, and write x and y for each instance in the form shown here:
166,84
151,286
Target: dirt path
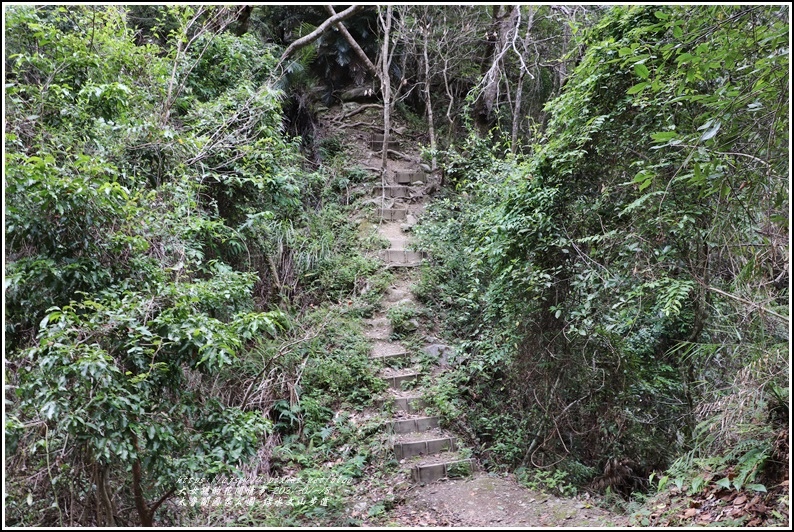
487,500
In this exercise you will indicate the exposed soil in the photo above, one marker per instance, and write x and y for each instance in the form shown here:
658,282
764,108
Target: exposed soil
486,500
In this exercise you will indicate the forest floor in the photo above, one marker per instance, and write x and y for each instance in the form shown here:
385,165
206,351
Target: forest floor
491,500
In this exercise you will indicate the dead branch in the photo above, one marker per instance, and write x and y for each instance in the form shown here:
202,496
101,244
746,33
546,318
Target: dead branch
322,28
356,48
361,108
356,124
402,155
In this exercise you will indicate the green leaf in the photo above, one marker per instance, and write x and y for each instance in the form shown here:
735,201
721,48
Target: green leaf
661,15
697,484
712,131
757,487
644,178
663,136
641,70
724,483
639,87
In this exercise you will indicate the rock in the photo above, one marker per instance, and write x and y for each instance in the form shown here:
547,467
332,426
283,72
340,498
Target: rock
425,167
410,219
393,294
406,228
418,182
443,353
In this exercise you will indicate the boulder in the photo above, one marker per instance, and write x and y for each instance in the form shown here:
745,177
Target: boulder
442,353
394,294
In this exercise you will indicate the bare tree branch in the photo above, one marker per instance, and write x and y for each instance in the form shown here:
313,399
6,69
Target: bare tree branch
356,48
322,28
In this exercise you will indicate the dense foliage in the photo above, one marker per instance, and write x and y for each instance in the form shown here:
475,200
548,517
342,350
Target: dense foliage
159,226
611,248
624,289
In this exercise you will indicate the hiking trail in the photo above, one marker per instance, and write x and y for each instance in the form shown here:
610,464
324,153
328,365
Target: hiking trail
439,483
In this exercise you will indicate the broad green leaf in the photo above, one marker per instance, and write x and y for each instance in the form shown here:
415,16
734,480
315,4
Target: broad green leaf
641,70
712,131
724,483
757,487
639,87
663,136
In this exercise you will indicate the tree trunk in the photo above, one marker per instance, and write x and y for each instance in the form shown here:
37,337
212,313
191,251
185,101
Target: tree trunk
519,90
243,20
431,128
103,494
385,86
145,512
499,40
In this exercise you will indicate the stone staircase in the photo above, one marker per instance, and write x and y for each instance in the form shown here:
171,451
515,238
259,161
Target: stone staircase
424,449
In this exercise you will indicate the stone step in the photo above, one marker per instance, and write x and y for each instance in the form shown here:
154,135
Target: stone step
436,469
391,214
410,176
388,358
409,405
401,257
381,347
399,241
418,424
422,447
396,382
388,191
378,329
376,142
